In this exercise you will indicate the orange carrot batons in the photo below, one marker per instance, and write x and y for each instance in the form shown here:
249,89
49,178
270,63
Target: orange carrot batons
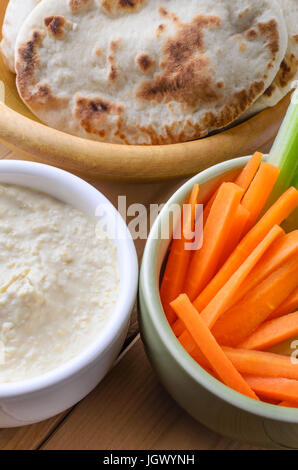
288,404
278,253
238,225
209,347
240,321
178,260
243,180
190,346
205,260
280,210
288,306
273,388
222,299
259,191
272,332
263,364
248,173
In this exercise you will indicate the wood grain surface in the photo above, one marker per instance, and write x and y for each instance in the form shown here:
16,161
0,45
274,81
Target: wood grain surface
142,416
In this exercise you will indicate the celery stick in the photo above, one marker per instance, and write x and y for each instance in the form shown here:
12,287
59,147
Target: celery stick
284,153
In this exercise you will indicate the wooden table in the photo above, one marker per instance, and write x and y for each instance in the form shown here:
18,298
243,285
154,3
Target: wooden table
143,415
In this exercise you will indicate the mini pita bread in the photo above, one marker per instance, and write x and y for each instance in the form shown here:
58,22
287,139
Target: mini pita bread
15,15
147,71
288,71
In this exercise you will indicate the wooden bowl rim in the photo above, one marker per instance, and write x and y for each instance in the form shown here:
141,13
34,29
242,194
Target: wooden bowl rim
124,162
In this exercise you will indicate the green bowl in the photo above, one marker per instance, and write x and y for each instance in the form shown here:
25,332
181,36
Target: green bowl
203,397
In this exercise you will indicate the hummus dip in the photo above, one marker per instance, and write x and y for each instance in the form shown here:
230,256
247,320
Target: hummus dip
58,282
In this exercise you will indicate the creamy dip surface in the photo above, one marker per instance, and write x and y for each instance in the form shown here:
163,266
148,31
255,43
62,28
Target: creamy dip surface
58,282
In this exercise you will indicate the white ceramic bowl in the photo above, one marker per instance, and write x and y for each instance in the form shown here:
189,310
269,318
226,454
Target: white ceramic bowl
34,400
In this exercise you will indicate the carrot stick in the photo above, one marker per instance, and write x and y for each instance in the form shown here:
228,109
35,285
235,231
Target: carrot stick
272,332
248,173
178,260
288,306
188,343
178,327
222,299
238,225
263,364
219,304
208,345
186,340
278,253
244,180
207,208
270,401
288,404
190,346
259,191
275,215
204,261
273,388
240,321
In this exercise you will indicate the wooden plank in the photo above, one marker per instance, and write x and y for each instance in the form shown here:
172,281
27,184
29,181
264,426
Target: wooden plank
130,410
28,437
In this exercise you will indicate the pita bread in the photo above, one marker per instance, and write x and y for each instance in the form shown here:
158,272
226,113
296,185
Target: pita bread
15,15
147,71
288,71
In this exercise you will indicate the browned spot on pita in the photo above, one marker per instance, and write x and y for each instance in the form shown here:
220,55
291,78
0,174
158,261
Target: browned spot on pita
270,31
34,93
113,73
130,4
251,34
98,52
171,134
27,62
55,26
242,46
160,29
145,62
175,18
237,105
163,12
114,45
93,115
77,5
187,77
44,96
243,13
270,90
122,5
295,37
288,70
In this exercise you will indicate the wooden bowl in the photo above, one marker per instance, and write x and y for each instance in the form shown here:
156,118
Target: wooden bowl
24,134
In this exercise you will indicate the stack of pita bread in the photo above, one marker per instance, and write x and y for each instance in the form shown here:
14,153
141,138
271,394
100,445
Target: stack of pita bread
150,71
